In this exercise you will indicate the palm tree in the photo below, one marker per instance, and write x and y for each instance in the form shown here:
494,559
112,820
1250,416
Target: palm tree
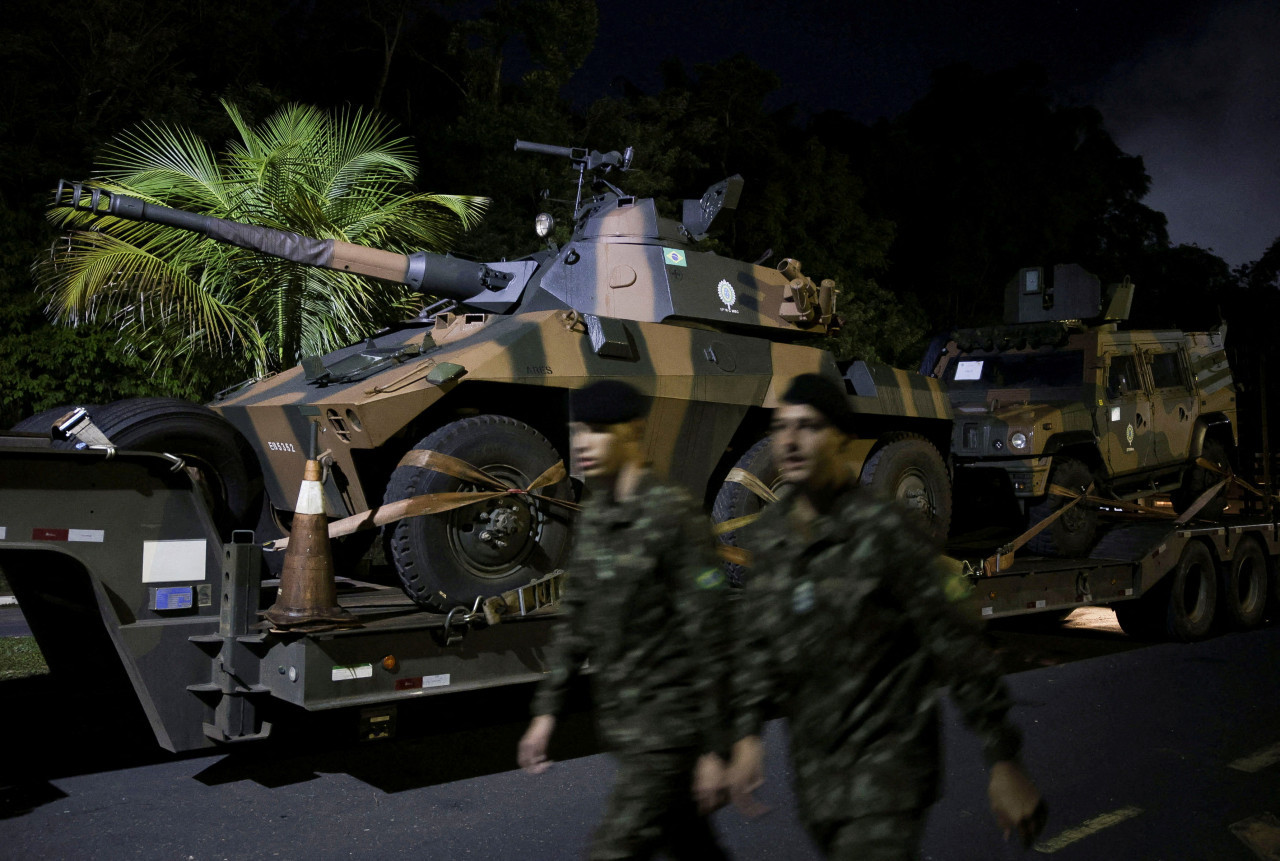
178,297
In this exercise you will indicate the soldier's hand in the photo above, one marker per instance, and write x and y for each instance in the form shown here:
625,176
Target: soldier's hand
1016,802
710,783
532,751
746,775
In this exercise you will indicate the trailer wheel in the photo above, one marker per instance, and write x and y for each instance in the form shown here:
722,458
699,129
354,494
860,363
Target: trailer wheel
1140,619
211,447
735,500
489,547
910,470
1073,533
1192,594
1244,584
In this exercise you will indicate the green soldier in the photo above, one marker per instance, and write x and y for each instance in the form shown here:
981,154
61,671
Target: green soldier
644,602
847,629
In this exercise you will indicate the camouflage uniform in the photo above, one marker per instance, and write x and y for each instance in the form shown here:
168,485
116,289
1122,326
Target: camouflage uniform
849,633
645,603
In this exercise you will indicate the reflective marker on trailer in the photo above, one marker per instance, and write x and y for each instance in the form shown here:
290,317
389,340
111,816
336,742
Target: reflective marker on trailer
41,534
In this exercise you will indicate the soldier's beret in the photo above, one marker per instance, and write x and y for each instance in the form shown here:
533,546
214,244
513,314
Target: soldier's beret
607,402
825,396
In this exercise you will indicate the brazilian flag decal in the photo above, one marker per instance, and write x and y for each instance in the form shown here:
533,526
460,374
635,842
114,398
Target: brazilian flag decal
673,257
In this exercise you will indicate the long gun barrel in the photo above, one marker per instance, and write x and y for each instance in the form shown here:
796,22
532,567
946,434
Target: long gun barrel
437,274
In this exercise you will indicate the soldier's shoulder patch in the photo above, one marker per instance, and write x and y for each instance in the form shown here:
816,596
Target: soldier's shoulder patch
712,578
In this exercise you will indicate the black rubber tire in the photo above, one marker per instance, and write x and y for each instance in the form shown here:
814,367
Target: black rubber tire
1074,533
441,559
201,437
1197,481
1191,594
910,470
1242,596
735,500
1140,619
42,422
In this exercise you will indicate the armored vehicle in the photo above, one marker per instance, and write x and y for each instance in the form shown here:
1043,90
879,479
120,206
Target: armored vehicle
479,381
1061,396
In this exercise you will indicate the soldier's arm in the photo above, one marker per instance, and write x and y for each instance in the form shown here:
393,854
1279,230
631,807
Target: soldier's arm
568,649
702,604
964,661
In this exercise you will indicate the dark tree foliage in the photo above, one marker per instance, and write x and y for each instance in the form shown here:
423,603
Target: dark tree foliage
987,174
922,218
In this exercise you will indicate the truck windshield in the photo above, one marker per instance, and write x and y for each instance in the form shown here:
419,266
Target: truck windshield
974,374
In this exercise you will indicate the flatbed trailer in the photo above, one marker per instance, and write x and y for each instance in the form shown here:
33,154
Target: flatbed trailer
1164,579
116,564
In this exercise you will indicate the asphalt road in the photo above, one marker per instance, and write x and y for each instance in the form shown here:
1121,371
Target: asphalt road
1143,751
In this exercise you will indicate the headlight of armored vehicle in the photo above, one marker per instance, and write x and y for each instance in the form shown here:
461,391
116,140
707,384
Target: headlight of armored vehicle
1018,440
543,223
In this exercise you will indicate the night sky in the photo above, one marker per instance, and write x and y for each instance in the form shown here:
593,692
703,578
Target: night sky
1192,87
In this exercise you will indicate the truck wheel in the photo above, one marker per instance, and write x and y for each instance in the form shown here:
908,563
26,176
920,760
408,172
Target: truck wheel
1196,481
201,437
1243,593
1140,619
910,470
1074,532
736,500
489,547
1192,594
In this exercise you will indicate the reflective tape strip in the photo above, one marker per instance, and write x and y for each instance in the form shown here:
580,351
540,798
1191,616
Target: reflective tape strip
43,534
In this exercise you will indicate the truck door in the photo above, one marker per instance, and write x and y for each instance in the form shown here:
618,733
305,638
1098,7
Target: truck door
1124,416
1173,404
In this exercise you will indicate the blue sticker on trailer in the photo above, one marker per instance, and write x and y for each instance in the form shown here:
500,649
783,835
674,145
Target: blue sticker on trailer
172,598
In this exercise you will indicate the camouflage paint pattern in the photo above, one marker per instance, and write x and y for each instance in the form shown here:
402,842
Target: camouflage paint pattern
850,633
1139,437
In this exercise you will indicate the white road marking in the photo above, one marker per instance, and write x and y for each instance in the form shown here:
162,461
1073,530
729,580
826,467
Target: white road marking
1260,833
1087,828
1258,760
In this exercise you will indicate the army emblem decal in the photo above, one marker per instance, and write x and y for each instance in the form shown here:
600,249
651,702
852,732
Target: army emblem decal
727,295
1128,434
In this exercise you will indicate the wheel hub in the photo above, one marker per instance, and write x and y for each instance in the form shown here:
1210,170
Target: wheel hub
493,537
914,493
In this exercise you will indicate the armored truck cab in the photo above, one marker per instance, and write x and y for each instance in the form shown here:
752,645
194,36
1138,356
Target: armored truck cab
1060,395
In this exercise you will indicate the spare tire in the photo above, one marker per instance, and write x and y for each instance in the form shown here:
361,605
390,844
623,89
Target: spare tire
206,441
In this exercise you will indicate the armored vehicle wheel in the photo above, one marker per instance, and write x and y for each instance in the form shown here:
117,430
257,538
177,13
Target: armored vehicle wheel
1243,591
910,470
1192,594
213,449
489,547
1074,532
737,500
1198,480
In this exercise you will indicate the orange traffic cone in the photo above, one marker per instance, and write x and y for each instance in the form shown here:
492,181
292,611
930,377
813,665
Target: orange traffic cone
307,593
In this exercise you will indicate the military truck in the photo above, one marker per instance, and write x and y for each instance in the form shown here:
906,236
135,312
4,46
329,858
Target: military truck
481,377
1060,395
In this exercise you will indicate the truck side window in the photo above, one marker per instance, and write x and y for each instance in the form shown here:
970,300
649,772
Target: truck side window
1122,376
1166,371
